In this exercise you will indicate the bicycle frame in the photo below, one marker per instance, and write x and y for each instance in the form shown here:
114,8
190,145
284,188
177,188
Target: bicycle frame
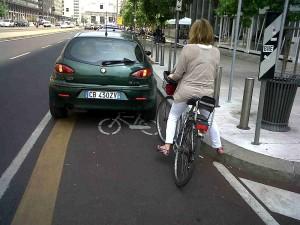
190,114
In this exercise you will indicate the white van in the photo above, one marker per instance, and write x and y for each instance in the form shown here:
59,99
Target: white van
8,23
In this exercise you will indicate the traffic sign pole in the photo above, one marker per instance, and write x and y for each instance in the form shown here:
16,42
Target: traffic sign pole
281,32
238,15
178,8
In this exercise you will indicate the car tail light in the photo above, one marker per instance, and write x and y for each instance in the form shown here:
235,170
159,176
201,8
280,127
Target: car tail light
143,73
63,95
203,128
61,68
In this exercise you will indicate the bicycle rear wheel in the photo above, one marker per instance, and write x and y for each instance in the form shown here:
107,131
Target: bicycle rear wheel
162,116
185,156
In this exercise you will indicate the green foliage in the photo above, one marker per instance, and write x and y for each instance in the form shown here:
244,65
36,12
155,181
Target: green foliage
3,9
150,12
126,12
251,8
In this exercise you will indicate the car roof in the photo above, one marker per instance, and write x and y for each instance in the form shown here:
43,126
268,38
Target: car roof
117,34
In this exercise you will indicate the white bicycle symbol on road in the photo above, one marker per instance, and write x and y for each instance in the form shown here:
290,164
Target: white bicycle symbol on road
111,126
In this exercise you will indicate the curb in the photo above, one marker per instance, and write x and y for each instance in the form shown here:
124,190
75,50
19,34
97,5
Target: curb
256,164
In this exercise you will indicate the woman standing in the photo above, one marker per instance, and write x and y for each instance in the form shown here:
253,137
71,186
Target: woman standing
195,73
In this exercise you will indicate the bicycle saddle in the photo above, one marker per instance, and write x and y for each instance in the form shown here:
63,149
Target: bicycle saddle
205,102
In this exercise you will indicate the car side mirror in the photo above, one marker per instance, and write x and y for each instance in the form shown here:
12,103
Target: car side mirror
148,53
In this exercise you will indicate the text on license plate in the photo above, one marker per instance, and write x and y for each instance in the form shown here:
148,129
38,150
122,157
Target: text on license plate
103,94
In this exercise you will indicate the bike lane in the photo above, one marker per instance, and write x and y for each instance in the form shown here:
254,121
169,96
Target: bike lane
121,179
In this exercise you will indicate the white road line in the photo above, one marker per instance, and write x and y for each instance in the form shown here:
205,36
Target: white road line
46,46
33,36
15,165
20,55
277,200
60,42
244,193
16,39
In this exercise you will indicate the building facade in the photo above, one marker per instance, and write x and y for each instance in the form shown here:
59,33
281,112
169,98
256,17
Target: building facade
51,9
101,12
71,10
22,9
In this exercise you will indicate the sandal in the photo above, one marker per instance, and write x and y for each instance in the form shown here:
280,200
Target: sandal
220,150
163,150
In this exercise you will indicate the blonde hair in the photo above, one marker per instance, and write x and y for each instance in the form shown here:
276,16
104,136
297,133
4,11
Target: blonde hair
201,32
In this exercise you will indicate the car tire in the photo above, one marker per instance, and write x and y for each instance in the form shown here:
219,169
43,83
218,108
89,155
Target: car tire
150,114
58,112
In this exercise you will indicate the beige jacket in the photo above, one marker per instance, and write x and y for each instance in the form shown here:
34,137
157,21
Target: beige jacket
196,71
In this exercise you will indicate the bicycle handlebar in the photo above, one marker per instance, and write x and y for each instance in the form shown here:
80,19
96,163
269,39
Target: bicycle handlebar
167,79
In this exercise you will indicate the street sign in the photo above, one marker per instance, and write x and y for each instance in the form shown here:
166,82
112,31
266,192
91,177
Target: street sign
179,5
270,46
120,20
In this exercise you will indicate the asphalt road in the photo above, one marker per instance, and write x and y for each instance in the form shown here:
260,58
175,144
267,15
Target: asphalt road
75,174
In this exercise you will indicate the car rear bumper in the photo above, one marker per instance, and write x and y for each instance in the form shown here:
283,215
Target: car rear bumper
138,98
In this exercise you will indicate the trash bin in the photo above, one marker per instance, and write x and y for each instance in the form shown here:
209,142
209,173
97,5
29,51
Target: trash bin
279,99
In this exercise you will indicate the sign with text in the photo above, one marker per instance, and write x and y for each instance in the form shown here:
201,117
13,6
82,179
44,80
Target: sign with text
179,5
270,46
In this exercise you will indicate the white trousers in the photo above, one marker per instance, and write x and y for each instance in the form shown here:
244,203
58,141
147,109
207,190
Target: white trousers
176,110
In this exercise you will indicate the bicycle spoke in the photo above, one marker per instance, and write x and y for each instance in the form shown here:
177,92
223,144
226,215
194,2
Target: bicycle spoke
184,156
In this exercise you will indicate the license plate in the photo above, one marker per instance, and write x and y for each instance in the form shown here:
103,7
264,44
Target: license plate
103,94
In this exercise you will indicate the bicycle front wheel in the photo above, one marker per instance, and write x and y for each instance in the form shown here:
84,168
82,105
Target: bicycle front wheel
162,116
185,156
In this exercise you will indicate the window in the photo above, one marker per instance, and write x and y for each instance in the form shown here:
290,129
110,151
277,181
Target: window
95,50
102,20
67,9
101,6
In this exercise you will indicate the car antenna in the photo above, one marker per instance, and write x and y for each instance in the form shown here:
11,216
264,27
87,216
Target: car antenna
106,24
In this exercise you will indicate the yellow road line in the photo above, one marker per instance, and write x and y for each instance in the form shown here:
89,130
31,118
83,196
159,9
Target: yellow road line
38,202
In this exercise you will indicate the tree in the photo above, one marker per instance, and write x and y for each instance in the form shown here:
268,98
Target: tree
251,8
3,9
150,12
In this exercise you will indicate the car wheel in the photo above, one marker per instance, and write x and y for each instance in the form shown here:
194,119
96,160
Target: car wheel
58,112
149,114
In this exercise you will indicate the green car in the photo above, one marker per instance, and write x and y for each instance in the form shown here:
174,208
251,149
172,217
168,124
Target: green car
103,70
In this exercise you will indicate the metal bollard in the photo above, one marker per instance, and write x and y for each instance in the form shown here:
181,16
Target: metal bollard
152,47
157,53
218,85
170,58
246,106
162,55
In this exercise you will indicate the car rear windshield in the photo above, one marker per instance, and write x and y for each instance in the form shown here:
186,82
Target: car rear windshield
95,50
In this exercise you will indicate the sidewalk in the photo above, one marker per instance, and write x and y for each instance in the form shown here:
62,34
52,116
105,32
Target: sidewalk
278,155
8,34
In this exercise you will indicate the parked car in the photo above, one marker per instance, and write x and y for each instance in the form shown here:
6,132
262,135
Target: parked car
67,24
21,23
8,23
47,24
89,26
59,23
1,23
107,72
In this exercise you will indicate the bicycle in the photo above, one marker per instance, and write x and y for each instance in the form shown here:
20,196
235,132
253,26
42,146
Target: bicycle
191,128
164,106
